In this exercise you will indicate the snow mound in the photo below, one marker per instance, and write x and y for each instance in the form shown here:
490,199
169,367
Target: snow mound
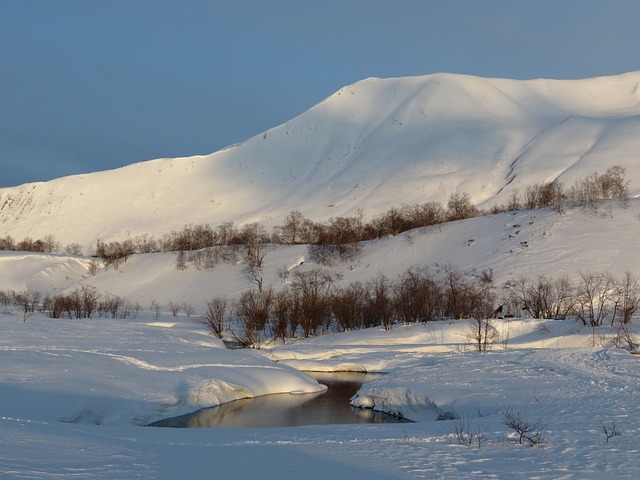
397,401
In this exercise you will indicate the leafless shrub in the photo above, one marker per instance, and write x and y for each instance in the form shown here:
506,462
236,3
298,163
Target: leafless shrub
253,309
114,252
460,207
528,432
206,258
181,261
482,334
7,243
465,431
174,308
283,321
380,309
145,243
55,305
610,430
291,231
311,289
73,249
155,308
547,195
215,314
86,301
92,268
283,273
626,298
348,307
543,298
591,190
28,302
594,298
188,309
624,338
463,296
110,304
417,296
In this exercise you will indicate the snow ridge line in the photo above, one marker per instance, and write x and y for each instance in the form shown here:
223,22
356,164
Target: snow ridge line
134,361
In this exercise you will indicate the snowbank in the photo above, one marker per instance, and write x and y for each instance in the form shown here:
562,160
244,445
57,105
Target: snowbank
109,371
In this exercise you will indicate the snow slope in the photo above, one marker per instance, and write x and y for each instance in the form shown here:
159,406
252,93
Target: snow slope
513,245
74,392
371,145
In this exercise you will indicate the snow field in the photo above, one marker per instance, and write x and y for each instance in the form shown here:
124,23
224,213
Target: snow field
61,378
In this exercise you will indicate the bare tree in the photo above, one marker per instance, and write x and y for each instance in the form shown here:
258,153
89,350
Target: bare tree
417,296
482,334
155,308
28,301
253,309
544,298
73,249
188,309
348,307
594,298
254,238
460,207
174,308
514,201
216,313
291,230
55,306
380,301
464,297
312,290
282,321
626,298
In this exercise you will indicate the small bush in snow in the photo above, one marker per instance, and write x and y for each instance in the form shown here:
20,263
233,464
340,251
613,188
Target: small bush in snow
528,432
465,431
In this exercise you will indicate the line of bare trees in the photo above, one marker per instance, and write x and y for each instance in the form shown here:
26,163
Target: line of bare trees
588,192
595,299
311,303
83,302
48,244
340,237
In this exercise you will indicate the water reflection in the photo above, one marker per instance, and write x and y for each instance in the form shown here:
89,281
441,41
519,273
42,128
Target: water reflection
287,410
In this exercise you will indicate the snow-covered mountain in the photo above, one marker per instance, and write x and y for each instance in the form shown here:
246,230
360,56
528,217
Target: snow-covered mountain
371,145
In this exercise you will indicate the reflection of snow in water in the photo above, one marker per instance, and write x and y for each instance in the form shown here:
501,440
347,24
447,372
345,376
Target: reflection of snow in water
287,410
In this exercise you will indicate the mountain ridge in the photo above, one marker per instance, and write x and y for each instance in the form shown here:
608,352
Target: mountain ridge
369,146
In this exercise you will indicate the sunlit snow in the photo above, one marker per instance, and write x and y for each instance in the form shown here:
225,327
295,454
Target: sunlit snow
75,394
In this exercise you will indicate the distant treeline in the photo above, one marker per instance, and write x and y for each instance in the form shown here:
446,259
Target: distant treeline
340,236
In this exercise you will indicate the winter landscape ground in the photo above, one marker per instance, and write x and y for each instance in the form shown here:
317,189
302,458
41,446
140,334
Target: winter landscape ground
76,394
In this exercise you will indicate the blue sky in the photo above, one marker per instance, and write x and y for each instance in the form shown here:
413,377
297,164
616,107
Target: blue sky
93,85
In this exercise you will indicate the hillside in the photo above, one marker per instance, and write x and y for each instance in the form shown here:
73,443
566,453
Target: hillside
525,243
377,143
